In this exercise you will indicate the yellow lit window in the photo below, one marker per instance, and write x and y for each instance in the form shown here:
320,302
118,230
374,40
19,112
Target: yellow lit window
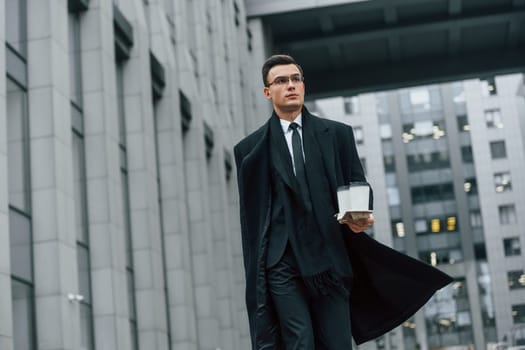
451,223
435,225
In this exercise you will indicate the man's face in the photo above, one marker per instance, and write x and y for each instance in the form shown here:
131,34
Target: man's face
288,96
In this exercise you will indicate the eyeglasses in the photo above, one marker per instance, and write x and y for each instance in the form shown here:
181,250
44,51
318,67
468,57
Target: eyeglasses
282,81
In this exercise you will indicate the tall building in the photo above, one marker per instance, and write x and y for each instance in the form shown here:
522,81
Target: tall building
118,206
446,161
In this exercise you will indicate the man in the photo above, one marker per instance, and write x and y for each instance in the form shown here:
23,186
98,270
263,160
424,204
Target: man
312,283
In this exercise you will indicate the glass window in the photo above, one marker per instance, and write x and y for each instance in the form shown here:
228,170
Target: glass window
516,279
420,98
488,87
86,327
512,246
385,131
80,188
448,317
399,228
429,193
471,186
20,241
480,251
351,105
409,335
442,256
84,288
493,118
390,163
23,313
17,147
120,104
423,129
502,181
498,150
459,93
466,154
475,219
381,103
463,124
393,196
428,161
75,69
358,134
518,313
421,226
15,21
83,273
507,214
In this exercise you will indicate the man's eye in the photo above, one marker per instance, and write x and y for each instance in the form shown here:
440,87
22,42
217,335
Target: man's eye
281,80
296,78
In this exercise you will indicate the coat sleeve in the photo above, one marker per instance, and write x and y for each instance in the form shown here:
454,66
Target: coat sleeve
352,166
242,213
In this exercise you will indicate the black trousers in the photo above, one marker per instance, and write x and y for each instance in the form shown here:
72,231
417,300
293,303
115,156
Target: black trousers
307,322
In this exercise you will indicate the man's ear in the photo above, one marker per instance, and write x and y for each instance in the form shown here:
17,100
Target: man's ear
266,91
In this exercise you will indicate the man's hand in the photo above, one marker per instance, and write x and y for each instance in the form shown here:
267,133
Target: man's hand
361,224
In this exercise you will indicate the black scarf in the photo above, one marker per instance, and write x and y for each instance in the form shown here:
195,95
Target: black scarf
306,239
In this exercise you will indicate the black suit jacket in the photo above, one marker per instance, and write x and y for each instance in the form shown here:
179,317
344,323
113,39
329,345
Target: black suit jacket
388,287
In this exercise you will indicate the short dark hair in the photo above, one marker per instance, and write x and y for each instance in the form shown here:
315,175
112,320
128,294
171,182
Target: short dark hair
277,60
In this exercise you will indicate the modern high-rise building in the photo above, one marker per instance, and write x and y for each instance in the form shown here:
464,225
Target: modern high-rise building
446,162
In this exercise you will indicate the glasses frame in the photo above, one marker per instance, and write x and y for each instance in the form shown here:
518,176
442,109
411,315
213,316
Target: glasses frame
288,80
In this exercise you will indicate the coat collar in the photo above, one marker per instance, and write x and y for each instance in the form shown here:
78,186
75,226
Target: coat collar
317,128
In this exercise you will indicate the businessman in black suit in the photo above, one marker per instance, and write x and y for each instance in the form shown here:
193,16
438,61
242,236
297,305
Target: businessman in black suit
310,281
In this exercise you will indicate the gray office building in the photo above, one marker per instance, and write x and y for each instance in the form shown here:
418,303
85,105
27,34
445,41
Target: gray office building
446,163
119,221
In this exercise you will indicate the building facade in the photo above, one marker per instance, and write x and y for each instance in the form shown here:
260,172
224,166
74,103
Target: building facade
445,161
118,207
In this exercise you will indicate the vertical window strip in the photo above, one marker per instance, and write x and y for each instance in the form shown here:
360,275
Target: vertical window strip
87,337
130,272
20,219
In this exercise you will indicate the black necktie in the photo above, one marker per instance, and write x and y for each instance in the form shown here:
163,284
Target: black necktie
298,159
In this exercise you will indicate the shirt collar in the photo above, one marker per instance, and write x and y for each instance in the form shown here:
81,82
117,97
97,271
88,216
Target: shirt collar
285,124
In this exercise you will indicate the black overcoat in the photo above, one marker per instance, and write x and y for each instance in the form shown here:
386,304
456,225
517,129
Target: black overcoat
388,287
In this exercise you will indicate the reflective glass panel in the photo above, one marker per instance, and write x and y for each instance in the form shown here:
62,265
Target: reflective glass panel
17,148
86,327
80,188
20,241
23,313
83,273
15,21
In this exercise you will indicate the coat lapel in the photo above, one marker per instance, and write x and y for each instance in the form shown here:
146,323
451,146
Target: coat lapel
323,141
280,154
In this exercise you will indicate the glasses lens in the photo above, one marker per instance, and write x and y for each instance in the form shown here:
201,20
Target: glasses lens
281,80
296,78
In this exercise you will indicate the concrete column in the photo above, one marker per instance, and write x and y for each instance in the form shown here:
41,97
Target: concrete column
173,198
6,317
107,240
144,195
54,237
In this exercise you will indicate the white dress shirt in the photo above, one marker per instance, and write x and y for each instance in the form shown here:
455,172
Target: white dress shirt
285,124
